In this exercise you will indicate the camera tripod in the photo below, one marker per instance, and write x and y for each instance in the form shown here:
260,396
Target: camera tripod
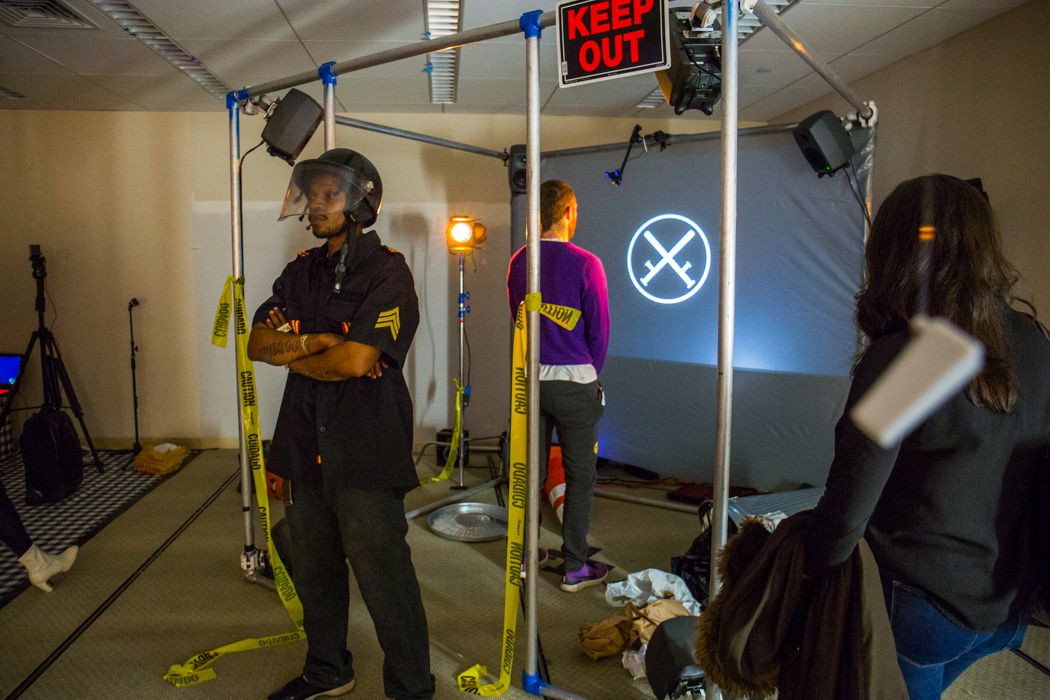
52,369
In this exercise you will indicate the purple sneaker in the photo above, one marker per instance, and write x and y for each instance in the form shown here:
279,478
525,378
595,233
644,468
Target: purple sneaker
586,576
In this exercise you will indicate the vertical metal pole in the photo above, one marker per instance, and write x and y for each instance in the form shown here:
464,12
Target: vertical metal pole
237,239
726,297
532,360
328,79
462,374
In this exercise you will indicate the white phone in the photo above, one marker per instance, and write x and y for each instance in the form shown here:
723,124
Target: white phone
939,360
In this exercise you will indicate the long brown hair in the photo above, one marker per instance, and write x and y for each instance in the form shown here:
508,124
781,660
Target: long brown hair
934,248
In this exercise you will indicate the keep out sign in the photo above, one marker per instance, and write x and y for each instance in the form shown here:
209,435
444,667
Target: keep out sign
604,39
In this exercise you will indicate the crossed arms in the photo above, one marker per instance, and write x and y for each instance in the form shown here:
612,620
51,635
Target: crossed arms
326,357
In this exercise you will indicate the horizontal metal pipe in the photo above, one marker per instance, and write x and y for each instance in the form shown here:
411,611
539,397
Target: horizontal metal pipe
471,36
550,691
772,20
392,131
599,491
458,496
669,140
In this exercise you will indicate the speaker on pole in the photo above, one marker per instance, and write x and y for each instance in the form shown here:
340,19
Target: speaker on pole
516,169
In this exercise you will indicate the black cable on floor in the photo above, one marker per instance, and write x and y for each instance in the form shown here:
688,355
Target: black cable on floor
46,663
1029,659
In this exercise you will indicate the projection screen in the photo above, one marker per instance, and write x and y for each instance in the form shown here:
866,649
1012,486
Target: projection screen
799,265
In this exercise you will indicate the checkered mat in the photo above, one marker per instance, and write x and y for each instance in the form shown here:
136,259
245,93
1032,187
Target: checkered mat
75,520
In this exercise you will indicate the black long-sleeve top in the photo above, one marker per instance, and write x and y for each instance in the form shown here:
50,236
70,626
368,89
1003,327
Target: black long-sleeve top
950,510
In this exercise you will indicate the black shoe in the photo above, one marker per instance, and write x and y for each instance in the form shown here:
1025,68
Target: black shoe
302,689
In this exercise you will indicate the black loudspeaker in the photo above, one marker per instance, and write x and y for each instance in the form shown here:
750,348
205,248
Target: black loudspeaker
669,659
293,122
824,142
516,169
445,435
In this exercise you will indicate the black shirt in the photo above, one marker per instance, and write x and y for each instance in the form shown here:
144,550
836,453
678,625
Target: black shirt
948,511
356,432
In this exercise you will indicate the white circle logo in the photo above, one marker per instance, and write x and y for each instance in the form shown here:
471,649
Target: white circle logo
673,250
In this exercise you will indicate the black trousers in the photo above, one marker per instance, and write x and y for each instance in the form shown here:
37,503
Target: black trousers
12,532
574,409
330,526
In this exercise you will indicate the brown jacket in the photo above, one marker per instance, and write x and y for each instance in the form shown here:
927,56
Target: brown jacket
768,629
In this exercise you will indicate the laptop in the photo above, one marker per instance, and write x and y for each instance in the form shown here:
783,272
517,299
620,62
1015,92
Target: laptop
10,368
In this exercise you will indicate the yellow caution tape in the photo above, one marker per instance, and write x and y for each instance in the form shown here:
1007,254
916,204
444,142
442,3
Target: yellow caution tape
453,448
198,668
471,680
533,301
565,316
221,328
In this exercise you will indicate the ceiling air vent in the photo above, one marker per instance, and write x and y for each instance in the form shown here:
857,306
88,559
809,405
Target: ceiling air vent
42,14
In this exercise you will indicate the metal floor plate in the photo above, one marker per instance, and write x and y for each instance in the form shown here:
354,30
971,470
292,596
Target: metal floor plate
469,522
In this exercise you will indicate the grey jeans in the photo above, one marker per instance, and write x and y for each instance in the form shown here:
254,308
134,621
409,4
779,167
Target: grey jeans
574,410
366,527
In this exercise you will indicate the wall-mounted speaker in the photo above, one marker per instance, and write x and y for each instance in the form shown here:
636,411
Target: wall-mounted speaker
516,169
291,124
824,142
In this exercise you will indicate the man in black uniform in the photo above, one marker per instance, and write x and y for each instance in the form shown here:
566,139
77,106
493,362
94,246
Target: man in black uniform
341,318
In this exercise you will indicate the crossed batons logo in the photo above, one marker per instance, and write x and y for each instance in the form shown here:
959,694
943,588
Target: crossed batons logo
390,319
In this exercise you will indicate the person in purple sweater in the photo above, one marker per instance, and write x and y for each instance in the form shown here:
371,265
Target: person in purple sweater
574,338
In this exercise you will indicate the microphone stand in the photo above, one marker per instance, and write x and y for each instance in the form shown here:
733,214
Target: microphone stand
137,447
616,176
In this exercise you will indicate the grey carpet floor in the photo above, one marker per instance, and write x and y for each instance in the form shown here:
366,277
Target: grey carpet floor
192,597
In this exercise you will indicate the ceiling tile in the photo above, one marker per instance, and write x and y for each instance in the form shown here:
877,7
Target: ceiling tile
65,92
84,53
15,57
242,20
391,20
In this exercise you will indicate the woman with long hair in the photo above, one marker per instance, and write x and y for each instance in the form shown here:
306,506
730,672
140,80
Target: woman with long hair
949,512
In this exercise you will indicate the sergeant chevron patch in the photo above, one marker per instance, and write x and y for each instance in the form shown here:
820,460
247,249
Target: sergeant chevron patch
390,319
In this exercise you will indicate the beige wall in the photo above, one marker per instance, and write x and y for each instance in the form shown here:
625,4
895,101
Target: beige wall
137,205
975,106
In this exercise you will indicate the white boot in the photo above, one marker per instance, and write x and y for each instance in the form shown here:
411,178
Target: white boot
41,566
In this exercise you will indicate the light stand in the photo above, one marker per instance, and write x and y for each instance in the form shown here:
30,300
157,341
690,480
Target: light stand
137,447
461,314
465,522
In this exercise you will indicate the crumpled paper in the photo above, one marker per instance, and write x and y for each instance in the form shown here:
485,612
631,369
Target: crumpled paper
647,585
634,662
631,625
160,460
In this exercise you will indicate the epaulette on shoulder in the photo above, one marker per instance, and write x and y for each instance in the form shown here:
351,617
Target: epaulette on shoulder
303,253
393,251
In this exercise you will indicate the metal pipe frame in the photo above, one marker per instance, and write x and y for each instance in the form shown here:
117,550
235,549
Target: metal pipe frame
237,236
532,360
772,20
328,79
492,483
669,140
613,495
414,136
726,297
472,36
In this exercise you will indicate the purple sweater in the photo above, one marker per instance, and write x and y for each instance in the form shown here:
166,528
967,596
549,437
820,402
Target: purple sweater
569,276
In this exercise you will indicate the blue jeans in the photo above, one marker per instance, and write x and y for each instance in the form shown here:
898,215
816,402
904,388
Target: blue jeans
330,526
933,651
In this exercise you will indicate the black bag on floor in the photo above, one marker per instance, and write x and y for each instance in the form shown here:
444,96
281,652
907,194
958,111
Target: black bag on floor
52,457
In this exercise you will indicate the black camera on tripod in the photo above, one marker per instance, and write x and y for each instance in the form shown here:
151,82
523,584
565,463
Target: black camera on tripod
49,442
38,260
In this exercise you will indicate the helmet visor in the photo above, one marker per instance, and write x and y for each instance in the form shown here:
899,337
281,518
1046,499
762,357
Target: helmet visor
318,187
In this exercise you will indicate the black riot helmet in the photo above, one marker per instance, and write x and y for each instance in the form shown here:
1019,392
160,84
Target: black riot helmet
344,171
